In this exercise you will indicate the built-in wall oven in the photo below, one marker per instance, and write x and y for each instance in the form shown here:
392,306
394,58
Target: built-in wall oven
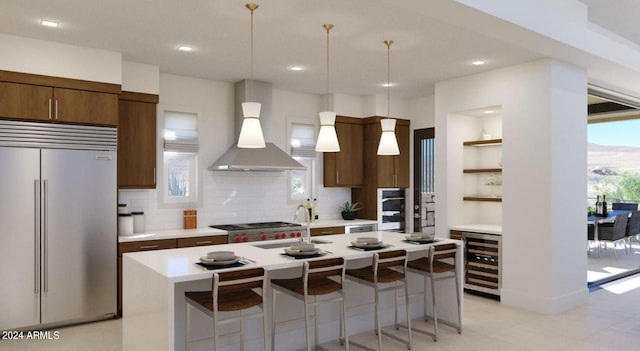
391,209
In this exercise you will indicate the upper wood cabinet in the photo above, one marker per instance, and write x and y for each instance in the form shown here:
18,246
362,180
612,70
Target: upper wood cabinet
137,141
41,98
24,101
345,168
390,171
85,107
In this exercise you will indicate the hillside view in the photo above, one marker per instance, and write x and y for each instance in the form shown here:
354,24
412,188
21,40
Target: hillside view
609,161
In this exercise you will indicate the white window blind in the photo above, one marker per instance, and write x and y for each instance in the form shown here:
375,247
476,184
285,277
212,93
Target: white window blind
181,132
303,140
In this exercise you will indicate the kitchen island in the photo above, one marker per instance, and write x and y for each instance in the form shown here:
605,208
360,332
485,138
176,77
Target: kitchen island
154,284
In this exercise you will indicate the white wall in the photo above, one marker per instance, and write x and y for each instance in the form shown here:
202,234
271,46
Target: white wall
140,78
48,58
231,197
544,184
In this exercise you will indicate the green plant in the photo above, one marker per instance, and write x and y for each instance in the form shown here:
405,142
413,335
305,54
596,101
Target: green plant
350,207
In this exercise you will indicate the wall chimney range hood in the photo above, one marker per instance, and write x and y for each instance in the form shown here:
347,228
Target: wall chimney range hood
269,158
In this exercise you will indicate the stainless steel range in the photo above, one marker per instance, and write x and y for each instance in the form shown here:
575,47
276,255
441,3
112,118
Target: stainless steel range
242,233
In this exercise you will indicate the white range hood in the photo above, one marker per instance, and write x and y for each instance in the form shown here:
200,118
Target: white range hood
269,158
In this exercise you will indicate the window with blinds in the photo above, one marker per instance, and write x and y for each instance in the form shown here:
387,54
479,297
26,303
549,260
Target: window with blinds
180,157
303,149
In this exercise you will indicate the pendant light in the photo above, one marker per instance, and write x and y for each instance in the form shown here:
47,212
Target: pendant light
388,142
251,132
327,138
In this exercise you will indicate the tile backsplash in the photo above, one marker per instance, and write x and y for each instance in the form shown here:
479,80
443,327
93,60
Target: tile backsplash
235,197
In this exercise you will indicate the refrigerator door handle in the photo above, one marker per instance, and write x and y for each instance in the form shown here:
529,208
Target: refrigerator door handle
45,238
36,253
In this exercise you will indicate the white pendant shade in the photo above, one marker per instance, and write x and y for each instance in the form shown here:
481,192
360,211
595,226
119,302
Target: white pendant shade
251,132
327,138
388,142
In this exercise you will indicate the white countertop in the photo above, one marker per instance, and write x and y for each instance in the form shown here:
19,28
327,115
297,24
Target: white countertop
207,231
171,234
179,265
338,222
479,228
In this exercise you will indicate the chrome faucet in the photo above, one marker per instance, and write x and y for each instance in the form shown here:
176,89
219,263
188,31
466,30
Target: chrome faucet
307,220
306,214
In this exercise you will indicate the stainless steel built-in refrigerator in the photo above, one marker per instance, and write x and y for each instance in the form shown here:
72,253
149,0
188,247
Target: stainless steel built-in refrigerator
57,224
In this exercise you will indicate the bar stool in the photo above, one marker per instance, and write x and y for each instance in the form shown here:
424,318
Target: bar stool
440,261
230,291
315,281
380,273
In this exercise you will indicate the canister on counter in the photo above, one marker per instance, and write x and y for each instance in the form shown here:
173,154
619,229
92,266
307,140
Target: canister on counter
125,224
122,208
138,222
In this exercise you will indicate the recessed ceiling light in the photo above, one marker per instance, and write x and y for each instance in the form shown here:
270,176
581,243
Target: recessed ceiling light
49,23
478,62
488,111
387,84
185,48
295,68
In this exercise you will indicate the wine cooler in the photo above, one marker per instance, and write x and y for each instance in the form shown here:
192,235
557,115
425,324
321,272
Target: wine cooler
483,271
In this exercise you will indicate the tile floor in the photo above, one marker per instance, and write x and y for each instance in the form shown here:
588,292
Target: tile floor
609,321
607,262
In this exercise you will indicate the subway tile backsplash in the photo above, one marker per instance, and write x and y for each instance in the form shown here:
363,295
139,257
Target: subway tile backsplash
235,197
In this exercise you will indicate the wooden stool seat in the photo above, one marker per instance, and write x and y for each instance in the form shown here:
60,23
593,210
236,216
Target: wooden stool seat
319,286
422,264
227,301
385,275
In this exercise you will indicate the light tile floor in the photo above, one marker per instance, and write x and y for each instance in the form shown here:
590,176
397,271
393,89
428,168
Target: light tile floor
605,263
609,321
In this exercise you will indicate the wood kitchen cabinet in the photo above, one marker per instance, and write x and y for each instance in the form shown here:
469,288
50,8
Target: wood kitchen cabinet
135,246
327,230
345,168
392,171
137,141
381,171
203,241
25,101
60,100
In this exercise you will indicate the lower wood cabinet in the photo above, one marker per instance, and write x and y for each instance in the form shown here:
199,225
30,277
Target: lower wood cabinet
151,245
327,231
203,241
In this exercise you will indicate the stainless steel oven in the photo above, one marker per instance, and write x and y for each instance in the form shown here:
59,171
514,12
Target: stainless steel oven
391,209
245,232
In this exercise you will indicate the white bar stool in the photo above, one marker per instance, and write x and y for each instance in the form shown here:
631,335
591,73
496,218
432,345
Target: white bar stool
440,264
230,291
315,281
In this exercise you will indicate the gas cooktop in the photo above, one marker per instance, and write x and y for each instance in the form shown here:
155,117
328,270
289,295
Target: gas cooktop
248,226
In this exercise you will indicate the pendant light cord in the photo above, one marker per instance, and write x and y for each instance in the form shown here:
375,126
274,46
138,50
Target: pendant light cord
388,43
326,97
251,8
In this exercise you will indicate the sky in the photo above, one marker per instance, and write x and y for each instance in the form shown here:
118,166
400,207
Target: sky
620,133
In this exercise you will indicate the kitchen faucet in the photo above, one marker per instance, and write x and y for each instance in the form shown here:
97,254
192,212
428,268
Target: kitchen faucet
307,220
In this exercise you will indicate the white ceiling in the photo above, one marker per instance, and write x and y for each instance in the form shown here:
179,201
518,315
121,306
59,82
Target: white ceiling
619,16
287,33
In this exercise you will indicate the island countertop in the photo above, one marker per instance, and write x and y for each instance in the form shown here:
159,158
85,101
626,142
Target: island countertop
154,281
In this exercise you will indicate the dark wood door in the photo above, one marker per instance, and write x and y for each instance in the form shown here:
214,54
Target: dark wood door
25,101
85,107
401,162
136,145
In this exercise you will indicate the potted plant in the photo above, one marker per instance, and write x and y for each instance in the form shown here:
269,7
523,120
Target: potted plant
349,210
